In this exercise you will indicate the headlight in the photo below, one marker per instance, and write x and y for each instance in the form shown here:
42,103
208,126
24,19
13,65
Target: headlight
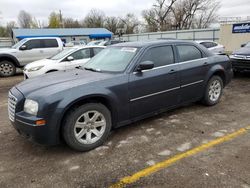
35,68
31,107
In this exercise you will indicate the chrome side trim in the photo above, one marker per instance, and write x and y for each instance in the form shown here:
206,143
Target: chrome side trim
153,94
186,85
165,91
184,62
174,64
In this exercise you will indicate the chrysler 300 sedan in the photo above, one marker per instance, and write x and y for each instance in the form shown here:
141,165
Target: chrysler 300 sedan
122,84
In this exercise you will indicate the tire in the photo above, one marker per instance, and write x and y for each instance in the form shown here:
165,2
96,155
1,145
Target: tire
7,68
87,127
214,90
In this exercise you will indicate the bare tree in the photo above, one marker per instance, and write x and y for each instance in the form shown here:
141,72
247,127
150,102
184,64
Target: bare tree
94,19
194,13
10,25
209,15
180,14
158,17
24,19
130,23
113,24
71,23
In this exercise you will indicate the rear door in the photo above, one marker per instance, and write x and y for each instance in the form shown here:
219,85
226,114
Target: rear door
81,57
157,88
193,69
50,47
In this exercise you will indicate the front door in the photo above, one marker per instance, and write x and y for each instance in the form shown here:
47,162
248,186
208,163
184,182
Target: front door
33,52
157,88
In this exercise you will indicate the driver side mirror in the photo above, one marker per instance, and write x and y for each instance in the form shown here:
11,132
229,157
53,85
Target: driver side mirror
23,47
70,58
146,65
243,45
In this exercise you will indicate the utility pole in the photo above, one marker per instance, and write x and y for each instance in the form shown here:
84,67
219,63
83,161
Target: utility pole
61,20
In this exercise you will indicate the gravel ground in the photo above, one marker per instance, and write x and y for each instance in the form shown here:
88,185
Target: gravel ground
132,148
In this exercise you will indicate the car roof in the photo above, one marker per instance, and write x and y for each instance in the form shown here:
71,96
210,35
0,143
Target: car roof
140,44
200,41
82,47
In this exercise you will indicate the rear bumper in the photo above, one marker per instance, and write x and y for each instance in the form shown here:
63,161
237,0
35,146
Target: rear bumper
240,64
25,126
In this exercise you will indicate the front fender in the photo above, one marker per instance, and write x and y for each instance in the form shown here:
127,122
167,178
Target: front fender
11,57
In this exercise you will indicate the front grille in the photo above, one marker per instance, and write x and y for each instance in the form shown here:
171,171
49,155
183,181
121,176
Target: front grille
12,100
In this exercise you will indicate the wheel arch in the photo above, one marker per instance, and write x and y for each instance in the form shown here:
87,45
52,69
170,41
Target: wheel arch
104,100
217,70
10,58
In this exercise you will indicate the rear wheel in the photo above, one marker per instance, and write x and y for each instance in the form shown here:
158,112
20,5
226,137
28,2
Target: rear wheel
214,91
7,68
87,126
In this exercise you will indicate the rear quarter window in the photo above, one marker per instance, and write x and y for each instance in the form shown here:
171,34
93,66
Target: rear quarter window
188,52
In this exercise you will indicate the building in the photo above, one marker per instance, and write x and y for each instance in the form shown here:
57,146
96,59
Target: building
66,34
232,36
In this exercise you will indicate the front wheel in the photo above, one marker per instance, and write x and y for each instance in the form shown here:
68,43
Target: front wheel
87,126
7,68
213,91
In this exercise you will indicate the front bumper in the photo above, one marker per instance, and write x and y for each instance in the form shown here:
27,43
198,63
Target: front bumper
32,74
25,125
240,64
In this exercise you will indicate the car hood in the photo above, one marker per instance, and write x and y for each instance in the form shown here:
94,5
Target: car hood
243,51
59,80
42,62
7,50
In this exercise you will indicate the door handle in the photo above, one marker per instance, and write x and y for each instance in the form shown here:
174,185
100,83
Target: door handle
172,71
205,64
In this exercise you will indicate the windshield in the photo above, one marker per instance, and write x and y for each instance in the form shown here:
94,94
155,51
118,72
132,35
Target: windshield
248,45
114,59
62,54
17,45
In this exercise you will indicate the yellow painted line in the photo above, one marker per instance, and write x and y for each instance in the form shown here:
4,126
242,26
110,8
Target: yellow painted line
159,166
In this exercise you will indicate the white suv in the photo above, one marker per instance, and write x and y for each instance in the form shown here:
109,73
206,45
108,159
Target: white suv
69,58
26,51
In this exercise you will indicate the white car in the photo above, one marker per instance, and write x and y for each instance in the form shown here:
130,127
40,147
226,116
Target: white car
94,42
213,46
76,43
69,58
26,51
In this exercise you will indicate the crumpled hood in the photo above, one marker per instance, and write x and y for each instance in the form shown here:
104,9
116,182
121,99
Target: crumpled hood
243,51
56,81
42,62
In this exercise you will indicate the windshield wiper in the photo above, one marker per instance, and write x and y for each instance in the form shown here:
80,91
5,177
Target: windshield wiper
92,69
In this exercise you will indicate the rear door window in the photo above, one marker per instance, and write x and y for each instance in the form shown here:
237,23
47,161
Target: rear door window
160,56
188,52
50,43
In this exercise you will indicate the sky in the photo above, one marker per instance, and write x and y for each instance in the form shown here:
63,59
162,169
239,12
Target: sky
77,9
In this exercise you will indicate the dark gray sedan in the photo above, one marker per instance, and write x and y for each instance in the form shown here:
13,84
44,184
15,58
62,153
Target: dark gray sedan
124,83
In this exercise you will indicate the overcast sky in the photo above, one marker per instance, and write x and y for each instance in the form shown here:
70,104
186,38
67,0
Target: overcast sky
77,9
